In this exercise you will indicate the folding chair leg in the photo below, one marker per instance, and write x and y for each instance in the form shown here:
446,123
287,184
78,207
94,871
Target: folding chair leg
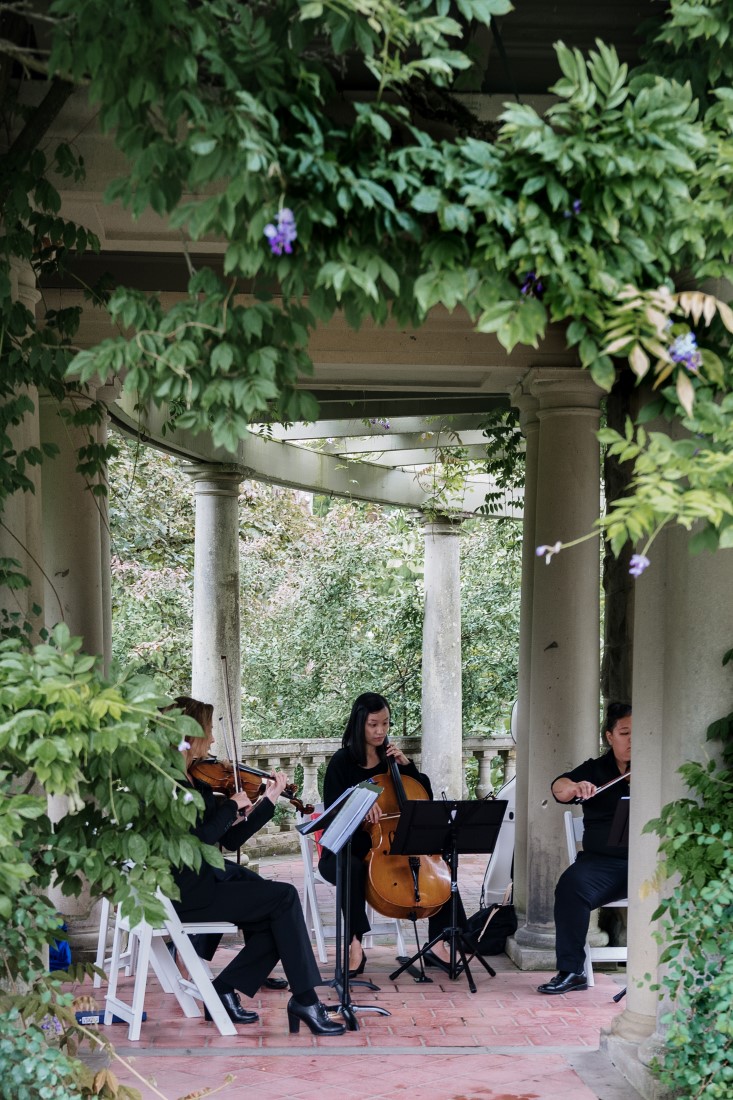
131,1013
589,967
102,940
200,981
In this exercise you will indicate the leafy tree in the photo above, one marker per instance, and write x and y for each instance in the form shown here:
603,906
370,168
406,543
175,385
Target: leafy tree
331,601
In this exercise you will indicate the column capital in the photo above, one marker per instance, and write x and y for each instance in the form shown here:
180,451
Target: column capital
442,525
215,478
528,404
563,388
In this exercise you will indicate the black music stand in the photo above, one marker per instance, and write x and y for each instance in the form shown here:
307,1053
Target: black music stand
342,822
451,828
618,836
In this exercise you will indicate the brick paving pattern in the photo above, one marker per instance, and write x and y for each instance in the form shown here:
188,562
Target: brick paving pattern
506,1042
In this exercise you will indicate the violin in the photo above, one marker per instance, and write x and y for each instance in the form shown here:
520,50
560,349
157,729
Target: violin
221,777
410,887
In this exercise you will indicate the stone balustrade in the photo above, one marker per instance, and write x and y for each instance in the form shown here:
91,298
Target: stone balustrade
311,753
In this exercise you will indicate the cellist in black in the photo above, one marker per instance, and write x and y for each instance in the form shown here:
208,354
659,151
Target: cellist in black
363,755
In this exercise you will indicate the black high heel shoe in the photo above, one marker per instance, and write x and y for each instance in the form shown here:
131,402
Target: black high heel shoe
234,1010
360,968
315,1016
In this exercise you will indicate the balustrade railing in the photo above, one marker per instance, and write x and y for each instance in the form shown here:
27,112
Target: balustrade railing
312,753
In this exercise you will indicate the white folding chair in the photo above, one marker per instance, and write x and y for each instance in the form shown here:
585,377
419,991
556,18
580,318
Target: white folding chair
152,952
574,827
381,926
102,959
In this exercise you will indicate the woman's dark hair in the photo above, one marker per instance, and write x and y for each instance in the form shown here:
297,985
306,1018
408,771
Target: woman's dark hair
353,740
614,712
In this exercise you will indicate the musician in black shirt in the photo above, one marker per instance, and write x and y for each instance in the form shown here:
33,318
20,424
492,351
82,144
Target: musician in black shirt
599,874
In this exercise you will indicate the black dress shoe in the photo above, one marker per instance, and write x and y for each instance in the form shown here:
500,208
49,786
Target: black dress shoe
315,1016
274,983
564,982
234,1010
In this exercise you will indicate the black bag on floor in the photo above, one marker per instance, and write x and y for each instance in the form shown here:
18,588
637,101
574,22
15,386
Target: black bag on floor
486,932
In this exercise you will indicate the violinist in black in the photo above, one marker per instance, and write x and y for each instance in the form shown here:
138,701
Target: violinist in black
363,755
269,913
600,873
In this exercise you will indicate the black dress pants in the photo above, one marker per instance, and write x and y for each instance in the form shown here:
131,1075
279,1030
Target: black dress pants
593,880
358,922
271,917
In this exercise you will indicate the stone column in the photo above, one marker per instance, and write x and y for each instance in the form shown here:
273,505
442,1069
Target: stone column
683,625
442,697
216,625
77,592
20,535
529,423
75,534
565,648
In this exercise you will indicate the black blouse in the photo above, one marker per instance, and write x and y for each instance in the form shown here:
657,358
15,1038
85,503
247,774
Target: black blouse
218,824
599,811
344,772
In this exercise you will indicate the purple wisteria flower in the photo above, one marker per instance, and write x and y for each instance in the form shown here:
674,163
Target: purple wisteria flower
532,286
380,421
575,208
638,564
684,350
184,745
281,236
548,552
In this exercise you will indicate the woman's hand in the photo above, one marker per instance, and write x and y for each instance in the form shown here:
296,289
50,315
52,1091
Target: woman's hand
398,754
242,801
275,786
565,790
374,815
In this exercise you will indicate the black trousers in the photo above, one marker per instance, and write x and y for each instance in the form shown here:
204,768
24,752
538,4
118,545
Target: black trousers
358,921
591,881
271,917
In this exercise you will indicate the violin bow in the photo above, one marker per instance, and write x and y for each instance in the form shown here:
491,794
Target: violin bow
611,783
230,714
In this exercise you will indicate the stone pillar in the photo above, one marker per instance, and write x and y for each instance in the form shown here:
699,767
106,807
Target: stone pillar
565,648
216,625
683,625
529,423
442,697
20,536
75,535
77,592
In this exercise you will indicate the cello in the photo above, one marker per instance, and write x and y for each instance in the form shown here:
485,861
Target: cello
400,886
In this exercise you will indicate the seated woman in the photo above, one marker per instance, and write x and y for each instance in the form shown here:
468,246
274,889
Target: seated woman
269,913
363,754
599,874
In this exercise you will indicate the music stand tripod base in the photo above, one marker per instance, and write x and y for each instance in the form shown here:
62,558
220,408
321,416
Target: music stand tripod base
450,827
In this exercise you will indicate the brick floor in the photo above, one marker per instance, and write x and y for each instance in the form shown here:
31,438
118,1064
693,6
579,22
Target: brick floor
506,1042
